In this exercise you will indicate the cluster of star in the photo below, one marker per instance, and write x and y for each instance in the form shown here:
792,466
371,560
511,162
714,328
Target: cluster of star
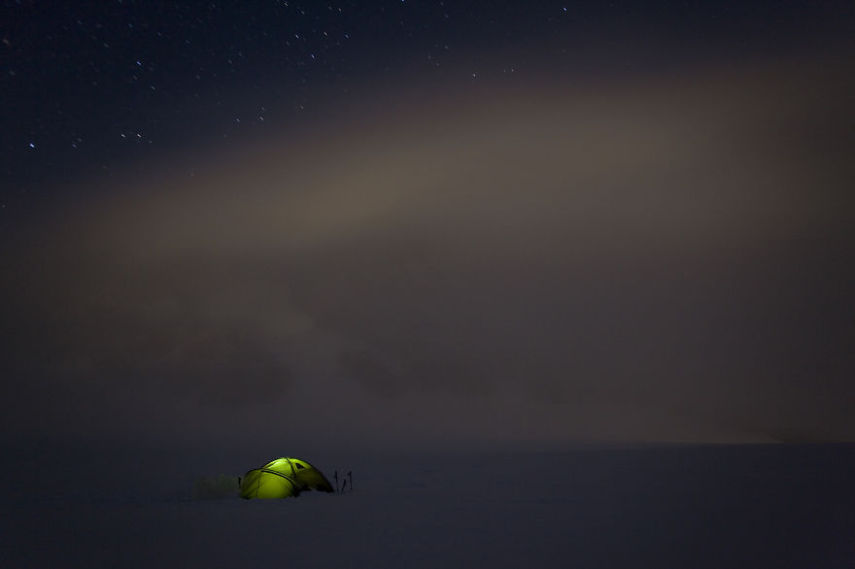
87,87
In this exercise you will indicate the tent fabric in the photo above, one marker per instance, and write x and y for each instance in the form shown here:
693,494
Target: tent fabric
282,478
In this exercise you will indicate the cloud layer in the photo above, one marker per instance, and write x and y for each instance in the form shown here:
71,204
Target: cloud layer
640,259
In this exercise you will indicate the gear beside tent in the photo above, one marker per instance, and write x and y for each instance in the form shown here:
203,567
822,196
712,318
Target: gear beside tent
281,478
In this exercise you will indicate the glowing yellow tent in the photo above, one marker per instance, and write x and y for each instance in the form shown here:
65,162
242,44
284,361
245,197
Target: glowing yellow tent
281,478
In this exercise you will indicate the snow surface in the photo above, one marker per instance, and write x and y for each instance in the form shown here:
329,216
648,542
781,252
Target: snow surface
597,506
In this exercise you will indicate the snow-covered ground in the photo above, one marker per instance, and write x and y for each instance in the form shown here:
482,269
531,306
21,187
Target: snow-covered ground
752,506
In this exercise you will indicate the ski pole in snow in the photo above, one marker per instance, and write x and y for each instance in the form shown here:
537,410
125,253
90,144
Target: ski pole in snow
335,475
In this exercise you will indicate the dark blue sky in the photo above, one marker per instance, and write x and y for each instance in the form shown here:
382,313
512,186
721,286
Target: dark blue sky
432,221
88,86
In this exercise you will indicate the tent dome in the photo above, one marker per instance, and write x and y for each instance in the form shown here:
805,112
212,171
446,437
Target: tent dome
282,478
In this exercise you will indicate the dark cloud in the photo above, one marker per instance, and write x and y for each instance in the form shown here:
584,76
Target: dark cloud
661,259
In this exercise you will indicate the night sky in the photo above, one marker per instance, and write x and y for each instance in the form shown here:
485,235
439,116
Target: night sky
427,223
